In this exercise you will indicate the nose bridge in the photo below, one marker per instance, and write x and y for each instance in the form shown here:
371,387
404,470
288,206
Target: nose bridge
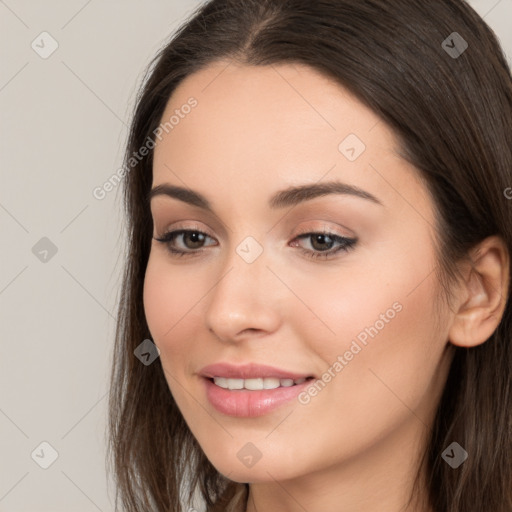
243,297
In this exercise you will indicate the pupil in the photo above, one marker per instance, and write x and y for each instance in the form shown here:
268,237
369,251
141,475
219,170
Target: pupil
321,239
196,238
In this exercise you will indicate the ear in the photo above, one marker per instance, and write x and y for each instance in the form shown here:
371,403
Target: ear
484,294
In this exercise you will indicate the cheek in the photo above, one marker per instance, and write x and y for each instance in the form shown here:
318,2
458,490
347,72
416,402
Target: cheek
159,304
362,303
385,334
170,305
386,293
171,299
379,310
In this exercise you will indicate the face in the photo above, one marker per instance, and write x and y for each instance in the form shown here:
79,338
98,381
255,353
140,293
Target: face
332,285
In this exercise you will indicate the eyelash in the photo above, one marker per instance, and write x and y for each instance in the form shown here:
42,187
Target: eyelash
346,244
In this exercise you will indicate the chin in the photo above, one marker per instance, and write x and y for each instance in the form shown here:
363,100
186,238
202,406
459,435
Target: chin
261,471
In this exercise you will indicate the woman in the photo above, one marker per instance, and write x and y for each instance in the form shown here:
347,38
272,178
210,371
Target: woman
315,312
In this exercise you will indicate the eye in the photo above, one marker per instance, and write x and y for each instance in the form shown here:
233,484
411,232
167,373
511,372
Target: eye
323,242
193,242
192,239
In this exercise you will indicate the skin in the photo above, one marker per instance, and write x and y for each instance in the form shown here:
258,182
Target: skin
354,446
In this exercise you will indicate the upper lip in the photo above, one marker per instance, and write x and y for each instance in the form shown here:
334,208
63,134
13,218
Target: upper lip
248,371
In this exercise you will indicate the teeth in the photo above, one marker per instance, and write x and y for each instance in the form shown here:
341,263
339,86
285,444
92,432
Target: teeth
256,384
270,383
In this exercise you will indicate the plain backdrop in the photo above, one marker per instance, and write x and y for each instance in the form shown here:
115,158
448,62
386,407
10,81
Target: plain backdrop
64,125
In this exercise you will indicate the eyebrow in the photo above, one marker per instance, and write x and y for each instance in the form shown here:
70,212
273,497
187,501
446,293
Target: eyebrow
288,197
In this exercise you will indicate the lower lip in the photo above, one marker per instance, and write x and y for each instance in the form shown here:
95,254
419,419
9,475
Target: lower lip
244,403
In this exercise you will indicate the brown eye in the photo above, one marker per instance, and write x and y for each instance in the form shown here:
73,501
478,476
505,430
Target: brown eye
319,242
196,239
322,244
192,241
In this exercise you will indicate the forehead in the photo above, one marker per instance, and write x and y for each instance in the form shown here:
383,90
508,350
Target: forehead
273,126
272,108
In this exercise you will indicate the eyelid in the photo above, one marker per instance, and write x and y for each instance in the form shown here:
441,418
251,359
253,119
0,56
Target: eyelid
187,227
181,225
327,229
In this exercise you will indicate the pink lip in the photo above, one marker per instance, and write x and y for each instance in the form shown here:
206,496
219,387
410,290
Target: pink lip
244,403
248,371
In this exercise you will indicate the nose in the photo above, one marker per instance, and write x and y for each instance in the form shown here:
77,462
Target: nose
246,300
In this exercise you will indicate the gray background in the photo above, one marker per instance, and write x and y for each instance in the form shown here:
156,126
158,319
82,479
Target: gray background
64,124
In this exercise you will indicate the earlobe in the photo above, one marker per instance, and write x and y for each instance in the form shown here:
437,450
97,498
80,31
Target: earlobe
484,294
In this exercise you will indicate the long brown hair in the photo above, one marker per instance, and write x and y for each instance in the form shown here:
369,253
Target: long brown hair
452,113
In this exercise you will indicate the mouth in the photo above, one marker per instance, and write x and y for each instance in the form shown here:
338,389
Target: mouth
254,396
251,390
252,373
256,384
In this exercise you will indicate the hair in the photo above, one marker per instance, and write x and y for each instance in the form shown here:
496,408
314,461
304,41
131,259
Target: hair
453,120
